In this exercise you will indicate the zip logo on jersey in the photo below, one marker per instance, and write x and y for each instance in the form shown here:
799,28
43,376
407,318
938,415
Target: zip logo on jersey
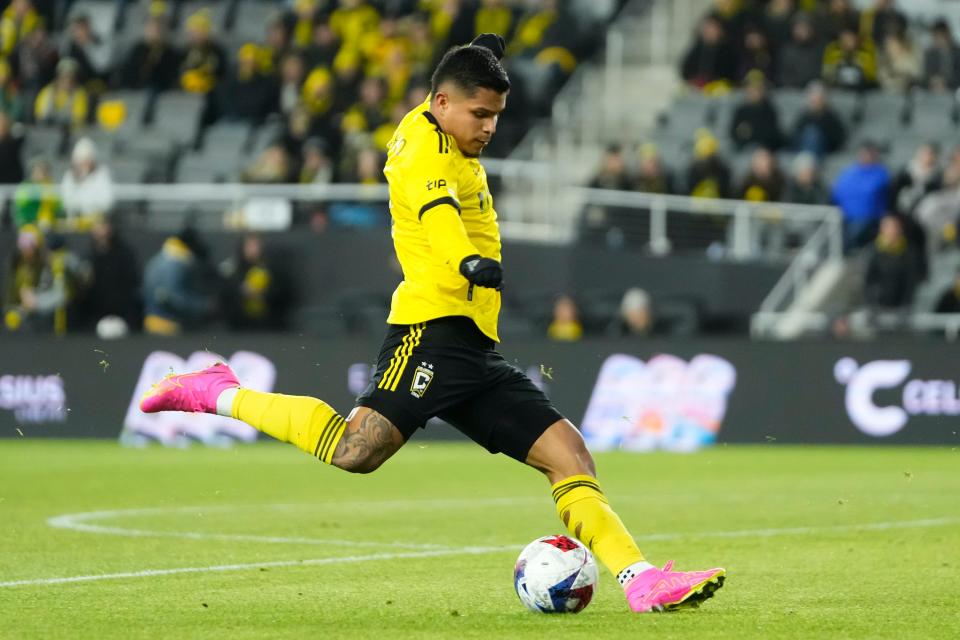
422,378
436,184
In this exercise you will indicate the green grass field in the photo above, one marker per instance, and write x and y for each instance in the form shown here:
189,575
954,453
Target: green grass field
264,542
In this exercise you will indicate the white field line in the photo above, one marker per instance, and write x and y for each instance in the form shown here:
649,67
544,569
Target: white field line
81,521
149,573
438,552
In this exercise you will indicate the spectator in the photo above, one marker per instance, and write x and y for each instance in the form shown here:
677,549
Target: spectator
755,121
708,176
91,52
271,166
275,47
882,20
323,47
937,212
256,295
87,187
318,94
11,146
115,284
44,283
862,192
899,67
301,22
11,102
949,301
291,83
153,61
801,56
613,171
764,181
246,96
352,20
565,325
34,62
18,20
920,177
850,62
63,102
652,175
316,166
204,62
892,276
941,60
36,202
757,55
818,130
544,27
635,317
837,16
778,20
368,113
175,296
805,186
711,59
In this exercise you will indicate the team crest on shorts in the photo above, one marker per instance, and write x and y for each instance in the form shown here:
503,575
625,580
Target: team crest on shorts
422,378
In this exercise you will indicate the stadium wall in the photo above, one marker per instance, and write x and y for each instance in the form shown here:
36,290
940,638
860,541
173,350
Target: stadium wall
741,391
323,266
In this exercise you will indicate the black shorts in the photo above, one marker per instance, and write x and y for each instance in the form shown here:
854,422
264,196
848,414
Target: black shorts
449,369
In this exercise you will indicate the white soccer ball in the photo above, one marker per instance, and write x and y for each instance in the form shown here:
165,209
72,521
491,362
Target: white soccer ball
555,574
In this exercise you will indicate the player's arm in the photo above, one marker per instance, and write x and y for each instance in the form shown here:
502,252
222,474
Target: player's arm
433,195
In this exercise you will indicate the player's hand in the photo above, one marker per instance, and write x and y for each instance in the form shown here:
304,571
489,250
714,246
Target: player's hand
483,272
491,41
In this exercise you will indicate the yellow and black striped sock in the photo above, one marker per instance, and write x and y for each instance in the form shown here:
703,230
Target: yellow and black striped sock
587,515
310,424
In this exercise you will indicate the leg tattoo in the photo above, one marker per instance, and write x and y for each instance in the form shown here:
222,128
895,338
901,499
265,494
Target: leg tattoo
367,443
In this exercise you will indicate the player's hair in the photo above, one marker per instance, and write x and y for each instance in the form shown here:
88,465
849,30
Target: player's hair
471,67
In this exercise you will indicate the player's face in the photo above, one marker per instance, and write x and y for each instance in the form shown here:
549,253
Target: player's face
470,119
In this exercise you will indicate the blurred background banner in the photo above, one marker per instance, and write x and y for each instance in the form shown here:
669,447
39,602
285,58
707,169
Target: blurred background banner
735,390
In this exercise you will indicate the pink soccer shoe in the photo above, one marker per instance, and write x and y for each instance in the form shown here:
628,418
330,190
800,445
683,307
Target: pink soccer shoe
666,590
196,391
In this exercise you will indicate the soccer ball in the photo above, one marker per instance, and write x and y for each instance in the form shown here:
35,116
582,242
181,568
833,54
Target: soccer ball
555,574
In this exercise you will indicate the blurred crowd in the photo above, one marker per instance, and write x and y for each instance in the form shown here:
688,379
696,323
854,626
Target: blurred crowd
897,215
332,78
103,288
793,42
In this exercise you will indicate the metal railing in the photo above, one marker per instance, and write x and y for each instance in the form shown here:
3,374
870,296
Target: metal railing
746,236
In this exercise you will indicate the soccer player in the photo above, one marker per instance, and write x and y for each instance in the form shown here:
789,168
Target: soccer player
439,356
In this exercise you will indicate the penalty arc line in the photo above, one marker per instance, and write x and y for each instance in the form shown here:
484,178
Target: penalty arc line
147,573
870,526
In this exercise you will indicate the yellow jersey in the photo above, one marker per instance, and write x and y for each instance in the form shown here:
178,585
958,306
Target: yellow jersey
441,212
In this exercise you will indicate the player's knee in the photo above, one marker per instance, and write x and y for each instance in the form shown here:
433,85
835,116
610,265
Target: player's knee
360,465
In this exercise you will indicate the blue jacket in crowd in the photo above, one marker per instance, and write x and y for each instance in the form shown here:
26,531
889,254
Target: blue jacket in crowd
862,191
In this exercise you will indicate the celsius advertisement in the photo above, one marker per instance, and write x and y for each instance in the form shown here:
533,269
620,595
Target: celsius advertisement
625,395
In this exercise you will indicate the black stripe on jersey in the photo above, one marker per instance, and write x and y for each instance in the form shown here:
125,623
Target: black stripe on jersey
433,120
443,139
436,203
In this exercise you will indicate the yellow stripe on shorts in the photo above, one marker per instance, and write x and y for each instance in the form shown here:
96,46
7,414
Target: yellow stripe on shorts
412,344
395,360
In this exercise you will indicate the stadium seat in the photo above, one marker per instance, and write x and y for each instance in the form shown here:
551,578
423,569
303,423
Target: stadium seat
129,169
44,141
227,138
135,104
251,20
177,115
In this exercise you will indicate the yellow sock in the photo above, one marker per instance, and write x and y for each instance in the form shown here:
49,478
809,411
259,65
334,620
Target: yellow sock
310,424
587,515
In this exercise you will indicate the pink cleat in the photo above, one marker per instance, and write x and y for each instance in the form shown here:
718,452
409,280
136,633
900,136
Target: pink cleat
197,391
666,590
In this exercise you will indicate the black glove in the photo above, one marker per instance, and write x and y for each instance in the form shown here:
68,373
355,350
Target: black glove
491,41
483,272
